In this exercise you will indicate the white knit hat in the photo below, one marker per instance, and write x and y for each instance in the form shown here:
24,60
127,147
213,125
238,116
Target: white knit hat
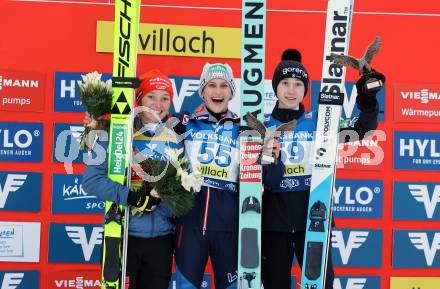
216,70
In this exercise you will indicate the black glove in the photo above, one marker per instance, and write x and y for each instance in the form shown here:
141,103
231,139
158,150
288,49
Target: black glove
142,199
367,87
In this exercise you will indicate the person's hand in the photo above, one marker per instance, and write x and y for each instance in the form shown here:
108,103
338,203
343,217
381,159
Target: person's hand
143,199
367,86
272,148
276,147
89,121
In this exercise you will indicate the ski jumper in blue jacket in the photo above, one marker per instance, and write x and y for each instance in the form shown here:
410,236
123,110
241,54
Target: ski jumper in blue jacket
285,205
150,240
210,229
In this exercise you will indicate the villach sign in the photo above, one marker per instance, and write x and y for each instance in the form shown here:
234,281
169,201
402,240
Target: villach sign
177,40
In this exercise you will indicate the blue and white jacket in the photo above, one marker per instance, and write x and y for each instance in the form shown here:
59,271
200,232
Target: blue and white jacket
285,205
96,182
213,145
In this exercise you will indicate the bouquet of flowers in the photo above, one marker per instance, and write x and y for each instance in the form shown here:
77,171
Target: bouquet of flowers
172,181
96,96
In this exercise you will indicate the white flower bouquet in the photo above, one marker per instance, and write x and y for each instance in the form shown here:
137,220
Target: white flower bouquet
96,97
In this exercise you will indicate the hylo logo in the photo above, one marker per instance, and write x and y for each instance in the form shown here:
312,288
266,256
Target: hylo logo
362,195
426,147
21,138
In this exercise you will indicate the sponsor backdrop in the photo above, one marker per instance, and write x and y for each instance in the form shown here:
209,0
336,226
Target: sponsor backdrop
387,193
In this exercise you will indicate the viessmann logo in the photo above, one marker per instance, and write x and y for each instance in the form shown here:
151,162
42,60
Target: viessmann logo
74,279
425,95
11,82
78,283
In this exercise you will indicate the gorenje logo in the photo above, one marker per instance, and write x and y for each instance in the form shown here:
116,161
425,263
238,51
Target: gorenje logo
12,184
424,95
358,198
416,201
420,249
350,246
68,196
421,242
78,236
20,142
355,240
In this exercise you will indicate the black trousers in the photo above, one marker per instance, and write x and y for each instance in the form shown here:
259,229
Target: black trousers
278,249
192,252
149,262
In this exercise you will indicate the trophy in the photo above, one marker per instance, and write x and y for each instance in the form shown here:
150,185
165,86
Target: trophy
267,156
363,64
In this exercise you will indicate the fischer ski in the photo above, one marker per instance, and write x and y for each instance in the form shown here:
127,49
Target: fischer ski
251,101
331,98
120,140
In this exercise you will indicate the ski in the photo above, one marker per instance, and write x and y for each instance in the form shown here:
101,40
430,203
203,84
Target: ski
251,101
331,98
120,140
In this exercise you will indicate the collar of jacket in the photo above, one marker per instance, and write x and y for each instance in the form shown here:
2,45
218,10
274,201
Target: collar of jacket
285,115
205,115
148,129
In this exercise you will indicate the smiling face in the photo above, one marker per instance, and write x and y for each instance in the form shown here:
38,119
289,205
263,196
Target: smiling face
217,95
290,92
158,102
